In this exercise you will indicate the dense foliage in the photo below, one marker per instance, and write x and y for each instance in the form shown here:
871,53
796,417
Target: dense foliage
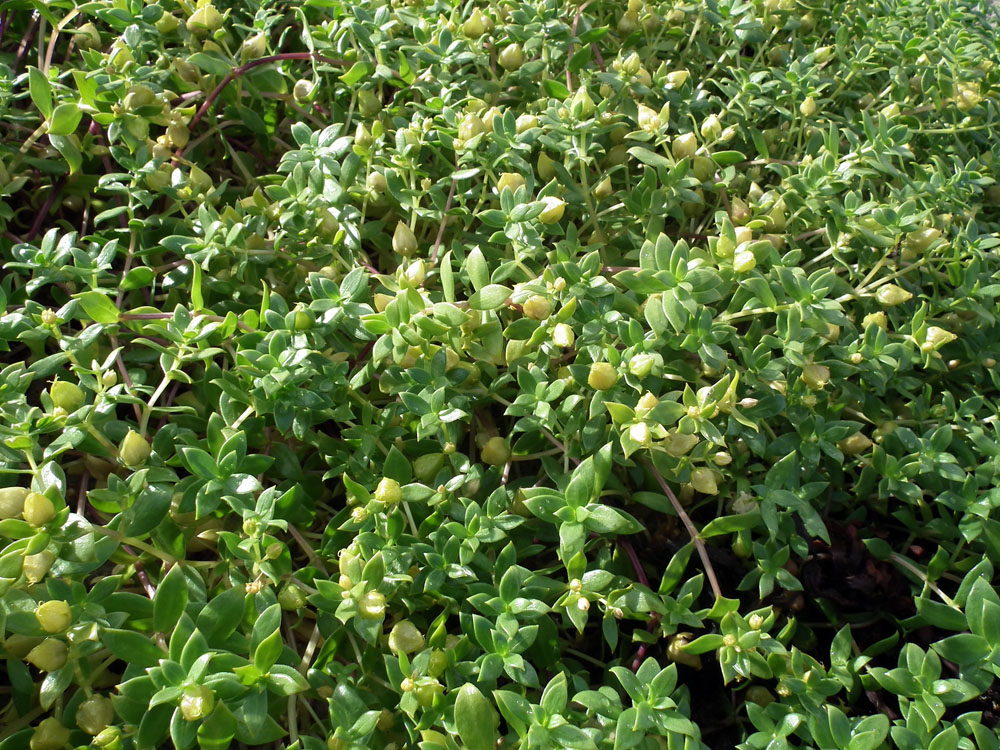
520,374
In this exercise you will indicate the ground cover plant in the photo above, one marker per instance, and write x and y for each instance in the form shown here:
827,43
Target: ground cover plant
520,374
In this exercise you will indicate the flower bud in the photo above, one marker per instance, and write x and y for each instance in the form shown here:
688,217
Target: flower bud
822,54
253,47
684,146
368,103
855,444
496,452
639,433
537,307
53,616
204,20
388,491
739,211
404,241
66,395
640,365
292,598
415,273
49,655
38,509
875,319
890,295
677,654
808,107
475,25
711,128
602,376
50,734
919,240
703,480
438,663
603,189
95,714
303,90
87,36
35,567
197,702
510,181
376,181
553,211
525,122
815,376
471,126
967,96
935,338
722,458
761,695
405,638
582,104
676,79
372,606
649,119
134,450
744,261
12,502
511,57
563,335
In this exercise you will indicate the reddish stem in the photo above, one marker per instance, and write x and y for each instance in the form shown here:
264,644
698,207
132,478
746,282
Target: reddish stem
237,72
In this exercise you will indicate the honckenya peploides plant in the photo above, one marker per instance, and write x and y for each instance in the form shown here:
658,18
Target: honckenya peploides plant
507,374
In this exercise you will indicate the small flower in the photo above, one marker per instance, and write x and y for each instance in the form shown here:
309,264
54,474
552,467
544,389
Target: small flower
496,452
553,211
54,616
134,450
405,638
602,376
404,241
891,295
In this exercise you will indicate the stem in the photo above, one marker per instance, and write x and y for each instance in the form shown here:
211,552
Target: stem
699,543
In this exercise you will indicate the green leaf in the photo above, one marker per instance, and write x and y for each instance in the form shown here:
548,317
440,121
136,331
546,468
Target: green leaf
555,695
474,718
198,462
475,266
730,524
170,600
217,730
360,69
132,647
69,151
490,297
555,89
40,90
725,158
268,651
222,615
98,307
65,119
649,158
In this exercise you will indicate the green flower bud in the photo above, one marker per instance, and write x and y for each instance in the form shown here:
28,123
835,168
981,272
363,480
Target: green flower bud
510,181
303,90
935,338
815,376
760,695
891,295
49,655
388,491
855,444
197,702
918,241
50,734
376,181
744,261
739,211
405,638
95,714
404,241
583,106
563,335
427,691
253,47
87,36
640,433
368,103
649,119
546,167
475,25
876,319
711,128
12,502
438,663
808,107
167,23
372,606
414,274
426,467
471,126
537,307
525,122
602,376
134,450
678,444
676,79
603,189
54,616
38,509
641,364
684,146
511,57
677,654
553,211
204,20
291,598
66,395
35,567
496,452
